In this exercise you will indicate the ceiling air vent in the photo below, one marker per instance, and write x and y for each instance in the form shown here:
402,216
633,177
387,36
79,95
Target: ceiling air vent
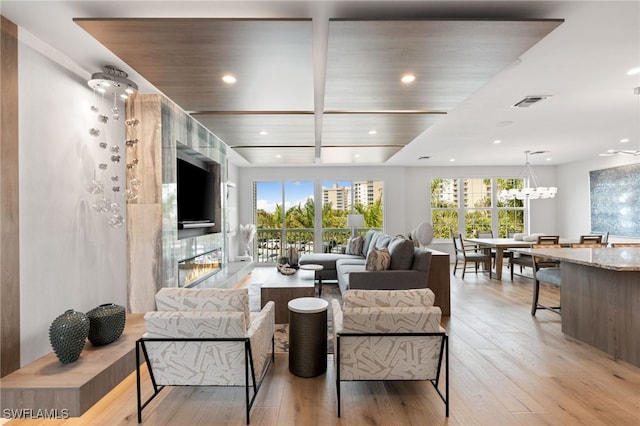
530,100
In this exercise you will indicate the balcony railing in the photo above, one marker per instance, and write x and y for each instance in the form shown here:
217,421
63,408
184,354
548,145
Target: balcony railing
269,247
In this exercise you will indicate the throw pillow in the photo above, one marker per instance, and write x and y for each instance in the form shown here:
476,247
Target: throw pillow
366,245
382,241
354,245
401,251
378,260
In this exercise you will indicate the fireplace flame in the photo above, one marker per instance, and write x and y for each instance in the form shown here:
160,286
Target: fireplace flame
200,270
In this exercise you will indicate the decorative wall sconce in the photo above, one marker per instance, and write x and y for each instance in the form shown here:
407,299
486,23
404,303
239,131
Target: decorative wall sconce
111,83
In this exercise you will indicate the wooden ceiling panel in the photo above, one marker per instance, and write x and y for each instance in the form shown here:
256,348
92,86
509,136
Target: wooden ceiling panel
279,77
244,130
451,59
186,59
357,154
270,156
374,129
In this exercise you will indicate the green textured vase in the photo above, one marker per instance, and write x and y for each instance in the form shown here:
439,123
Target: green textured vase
68,334
107,323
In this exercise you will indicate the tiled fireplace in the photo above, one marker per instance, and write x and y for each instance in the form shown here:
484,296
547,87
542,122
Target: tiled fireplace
195,270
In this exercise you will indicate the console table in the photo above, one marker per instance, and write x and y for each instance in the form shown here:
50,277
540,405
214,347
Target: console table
47,384
600,297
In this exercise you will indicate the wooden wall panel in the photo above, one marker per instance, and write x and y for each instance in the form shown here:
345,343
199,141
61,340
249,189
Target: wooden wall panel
9,220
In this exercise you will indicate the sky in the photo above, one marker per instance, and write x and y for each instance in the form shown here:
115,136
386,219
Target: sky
270,193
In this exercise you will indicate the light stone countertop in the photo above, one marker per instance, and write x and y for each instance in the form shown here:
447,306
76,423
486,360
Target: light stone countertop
613,258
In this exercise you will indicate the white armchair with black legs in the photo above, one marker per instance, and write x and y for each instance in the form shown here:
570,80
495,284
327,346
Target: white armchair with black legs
206,337
390,335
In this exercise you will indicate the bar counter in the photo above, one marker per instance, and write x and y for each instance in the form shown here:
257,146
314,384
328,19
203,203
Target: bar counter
600,297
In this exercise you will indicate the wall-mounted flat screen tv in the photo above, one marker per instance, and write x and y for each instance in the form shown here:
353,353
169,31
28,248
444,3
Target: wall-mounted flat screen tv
198,191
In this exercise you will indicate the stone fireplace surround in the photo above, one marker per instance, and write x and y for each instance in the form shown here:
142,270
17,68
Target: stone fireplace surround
154,249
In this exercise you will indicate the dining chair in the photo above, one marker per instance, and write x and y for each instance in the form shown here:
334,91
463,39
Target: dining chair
588,239
545,271
469,255
587,245
548,239
526,261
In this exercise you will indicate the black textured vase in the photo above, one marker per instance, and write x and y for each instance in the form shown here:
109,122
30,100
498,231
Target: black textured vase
67,335
107,323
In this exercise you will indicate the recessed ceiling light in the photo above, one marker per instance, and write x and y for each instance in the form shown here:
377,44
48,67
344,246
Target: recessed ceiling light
408,78
452,159
633,71
229,79
264,132
278,156
357,155
373,131
625,140
548,158
497,141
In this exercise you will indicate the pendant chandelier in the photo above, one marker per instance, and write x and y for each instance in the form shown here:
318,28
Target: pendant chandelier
531,191
110,87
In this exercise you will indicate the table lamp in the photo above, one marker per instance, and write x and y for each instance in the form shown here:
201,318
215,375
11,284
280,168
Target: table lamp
355,221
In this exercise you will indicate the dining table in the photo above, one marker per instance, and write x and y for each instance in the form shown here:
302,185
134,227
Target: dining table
502,244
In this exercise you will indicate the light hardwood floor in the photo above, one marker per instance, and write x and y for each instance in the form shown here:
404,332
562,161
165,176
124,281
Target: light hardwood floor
507,368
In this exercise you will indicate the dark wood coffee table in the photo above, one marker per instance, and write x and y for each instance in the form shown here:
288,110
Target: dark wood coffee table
283,288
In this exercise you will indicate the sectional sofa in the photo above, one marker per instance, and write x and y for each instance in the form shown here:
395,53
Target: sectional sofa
411,267
407,266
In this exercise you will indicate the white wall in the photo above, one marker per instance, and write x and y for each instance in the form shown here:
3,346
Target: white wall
70,258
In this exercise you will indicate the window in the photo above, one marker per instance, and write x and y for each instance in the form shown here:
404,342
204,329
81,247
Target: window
510,212
285,212
340,198
444,207
477,206
278,228
469,205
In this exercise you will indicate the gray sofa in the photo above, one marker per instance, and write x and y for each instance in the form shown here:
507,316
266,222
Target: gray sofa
408,268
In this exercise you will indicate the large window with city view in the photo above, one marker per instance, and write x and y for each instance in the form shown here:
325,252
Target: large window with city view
340,198
470,205
285,216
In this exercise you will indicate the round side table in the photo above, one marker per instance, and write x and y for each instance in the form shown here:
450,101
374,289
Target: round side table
308,336
315,268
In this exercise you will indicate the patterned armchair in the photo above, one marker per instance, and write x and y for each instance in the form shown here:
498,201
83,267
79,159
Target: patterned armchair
390,335
206,337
